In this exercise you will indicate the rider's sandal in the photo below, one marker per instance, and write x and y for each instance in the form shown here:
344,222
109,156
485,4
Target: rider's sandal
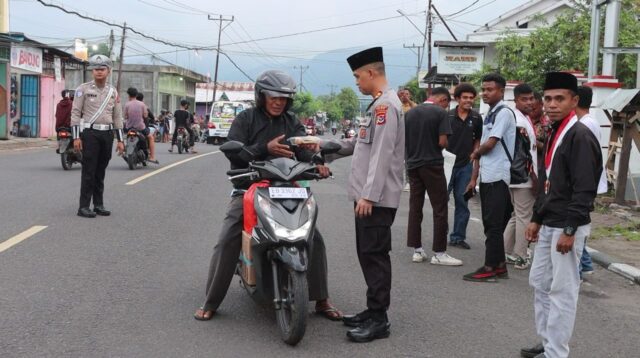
329,312
202,317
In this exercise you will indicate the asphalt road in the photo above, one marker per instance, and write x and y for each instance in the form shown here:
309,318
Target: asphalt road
127,285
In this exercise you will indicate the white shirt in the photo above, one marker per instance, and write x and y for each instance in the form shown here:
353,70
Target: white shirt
522,121
594,126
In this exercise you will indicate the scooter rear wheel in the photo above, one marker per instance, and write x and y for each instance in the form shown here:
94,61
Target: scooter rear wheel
131,161
64,159
292,315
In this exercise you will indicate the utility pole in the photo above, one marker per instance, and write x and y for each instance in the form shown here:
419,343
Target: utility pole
444,22
336,86
419,53
302,69
221,20
124,32
112,41
429,31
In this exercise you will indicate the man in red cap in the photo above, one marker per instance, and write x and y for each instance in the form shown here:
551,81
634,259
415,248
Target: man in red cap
568,182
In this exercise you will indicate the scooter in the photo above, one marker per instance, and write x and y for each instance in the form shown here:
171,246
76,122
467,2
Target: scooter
182,140
68,155
136,150
279,224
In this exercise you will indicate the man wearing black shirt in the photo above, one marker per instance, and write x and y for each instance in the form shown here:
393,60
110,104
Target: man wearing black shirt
568,183
183,119
466,131
426,130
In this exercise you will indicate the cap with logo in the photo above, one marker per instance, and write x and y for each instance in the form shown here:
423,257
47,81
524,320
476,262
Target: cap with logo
99,61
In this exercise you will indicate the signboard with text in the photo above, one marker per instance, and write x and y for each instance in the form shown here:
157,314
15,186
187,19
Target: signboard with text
459,61
27,58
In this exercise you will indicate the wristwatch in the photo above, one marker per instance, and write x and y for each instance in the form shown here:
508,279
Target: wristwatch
569,230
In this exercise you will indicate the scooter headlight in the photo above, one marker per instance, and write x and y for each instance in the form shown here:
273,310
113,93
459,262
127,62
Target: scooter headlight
283,232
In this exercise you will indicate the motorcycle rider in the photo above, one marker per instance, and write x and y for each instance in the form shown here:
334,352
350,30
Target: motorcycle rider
262,129
182,118
63,112
135,113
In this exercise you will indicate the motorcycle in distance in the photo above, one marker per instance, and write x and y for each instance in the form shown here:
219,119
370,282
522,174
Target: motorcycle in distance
68,155
136,150
279,224
182,140
348,134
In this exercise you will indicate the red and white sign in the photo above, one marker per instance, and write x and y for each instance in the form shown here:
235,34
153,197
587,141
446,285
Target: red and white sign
27,58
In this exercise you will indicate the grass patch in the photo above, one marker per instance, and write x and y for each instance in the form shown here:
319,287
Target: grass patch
629,231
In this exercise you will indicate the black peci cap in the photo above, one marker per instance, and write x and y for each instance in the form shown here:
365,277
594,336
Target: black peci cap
560,80
365,57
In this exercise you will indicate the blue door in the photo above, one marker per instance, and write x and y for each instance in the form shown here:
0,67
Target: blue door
29,98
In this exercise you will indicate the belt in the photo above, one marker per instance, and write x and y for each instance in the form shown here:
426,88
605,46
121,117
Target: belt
98,127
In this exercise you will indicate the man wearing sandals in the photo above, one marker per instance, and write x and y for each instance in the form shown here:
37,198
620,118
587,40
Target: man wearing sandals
262,129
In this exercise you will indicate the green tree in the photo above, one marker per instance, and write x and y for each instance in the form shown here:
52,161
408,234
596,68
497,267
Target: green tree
330,105
348,102
304,105
564,45
103,49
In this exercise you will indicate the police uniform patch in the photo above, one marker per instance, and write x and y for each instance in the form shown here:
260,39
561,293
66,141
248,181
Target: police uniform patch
363,132
78,93
381,114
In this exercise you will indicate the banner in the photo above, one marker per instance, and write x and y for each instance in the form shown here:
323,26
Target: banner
27,58
459,61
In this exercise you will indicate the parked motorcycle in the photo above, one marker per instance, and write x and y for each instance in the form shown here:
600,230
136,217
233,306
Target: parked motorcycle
348,134
182,140
68,155
136,150
279,224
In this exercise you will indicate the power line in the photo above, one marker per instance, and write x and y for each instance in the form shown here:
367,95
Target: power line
167,9
472,10
463,10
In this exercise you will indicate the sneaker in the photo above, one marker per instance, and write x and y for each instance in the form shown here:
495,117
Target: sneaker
481,275
587,272
406,188
511,260
501,272
419,256
445,260
522,264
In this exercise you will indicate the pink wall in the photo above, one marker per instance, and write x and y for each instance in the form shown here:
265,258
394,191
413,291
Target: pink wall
49,98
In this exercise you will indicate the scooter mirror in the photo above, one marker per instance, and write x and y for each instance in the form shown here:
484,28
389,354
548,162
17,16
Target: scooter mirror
330,147
232,147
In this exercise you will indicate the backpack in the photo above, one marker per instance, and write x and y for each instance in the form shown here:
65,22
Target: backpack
521,162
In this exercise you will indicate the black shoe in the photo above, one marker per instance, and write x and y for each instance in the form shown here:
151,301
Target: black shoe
481,275
501,272
100,210
463,245
86,213
533,351
371,329
355,320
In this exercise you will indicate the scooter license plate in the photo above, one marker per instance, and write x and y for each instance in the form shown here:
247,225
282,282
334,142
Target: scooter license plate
288,193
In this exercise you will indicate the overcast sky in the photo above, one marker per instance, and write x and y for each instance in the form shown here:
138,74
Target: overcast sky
255,20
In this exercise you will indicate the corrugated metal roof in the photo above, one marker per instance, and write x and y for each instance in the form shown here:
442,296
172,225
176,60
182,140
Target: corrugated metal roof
619,99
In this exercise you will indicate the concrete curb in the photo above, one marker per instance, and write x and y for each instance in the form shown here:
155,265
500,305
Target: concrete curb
630,272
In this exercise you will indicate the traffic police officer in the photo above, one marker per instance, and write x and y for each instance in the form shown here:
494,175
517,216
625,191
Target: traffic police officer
375,185
96,114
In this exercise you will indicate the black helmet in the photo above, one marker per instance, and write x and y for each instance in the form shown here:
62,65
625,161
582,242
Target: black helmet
274,83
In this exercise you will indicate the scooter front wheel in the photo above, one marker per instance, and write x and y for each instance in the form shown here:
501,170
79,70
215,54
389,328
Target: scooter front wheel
64,159
292,315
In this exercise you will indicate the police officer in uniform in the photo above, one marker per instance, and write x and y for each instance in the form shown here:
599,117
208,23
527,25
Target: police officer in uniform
375,185
96,114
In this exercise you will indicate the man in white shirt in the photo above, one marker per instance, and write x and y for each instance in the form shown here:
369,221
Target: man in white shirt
582,111
522,195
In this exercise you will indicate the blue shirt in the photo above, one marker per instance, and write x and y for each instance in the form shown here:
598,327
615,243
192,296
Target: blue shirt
495,165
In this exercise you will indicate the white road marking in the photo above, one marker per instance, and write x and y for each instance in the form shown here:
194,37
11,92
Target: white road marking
158,171
20,237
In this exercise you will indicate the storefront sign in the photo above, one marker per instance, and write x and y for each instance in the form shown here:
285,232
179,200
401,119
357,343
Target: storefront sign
57,68
27,58
459,61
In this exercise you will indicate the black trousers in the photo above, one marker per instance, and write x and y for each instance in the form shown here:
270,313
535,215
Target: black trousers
430,179
373,243
226,252
495,202
175,136
96,153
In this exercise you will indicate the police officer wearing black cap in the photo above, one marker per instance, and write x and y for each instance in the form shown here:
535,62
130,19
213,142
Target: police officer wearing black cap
95,116
375,185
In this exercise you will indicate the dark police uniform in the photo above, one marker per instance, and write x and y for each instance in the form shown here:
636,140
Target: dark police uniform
376,175
96,113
